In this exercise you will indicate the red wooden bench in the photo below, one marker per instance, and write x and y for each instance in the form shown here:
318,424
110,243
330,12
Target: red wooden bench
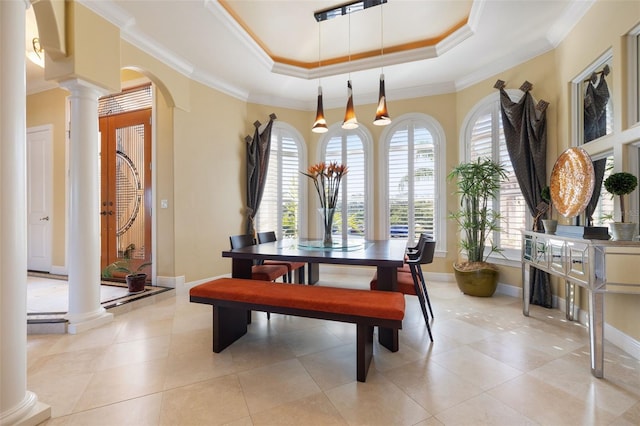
232,298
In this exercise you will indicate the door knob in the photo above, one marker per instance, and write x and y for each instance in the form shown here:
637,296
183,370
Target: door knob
44,218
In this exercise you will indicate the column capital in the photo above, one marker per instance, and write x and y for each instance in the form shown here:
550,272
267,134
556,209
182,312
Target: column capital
79,86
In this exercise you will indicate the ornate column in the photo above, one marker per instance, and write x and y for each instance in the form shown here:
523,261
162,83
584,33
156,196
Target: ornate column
17,405
85,311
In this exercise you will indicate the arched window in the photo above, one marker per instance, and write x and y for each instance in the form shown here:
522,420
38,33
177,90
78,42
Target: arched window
280,209
414,176
352,148
483,137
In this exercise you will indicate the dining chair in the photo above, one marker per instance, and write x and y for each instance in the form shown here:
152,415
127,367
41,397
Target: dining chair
270,236
411,250
413,283
424,257
259,272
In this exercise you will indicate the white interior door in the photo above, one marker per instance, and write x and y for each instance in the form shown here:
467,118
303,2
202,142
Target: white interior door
39,197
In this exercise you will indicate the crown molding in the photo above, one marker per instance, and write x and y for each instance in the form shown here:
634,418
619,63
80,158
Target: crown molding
508,61
571,16
230,23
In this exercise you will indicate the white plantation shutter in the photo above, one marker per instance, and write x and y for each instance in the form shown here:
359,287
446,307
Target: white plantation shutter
349,150
279,209
132,99
487,140
411,178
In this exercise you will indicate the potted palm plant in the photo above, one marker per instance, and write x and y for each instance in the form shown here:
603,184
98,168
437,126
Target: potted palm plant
135,278
477,184
621,184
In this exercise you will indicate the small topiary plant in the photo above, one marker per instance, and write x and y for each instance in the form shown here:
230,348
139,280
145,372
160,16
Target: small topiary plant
621,183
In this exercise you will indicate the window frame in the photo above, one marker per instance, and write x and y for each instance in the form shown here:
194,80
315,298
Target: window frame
633,55
577,99
367,144
508,256
279,130
439,142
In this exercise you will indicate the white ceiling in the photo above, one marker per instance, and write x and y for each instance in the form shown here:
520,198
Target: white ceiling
210,43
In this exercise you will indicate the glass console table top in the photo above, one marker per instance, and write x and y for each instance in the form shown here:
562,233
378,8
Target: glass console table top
338,245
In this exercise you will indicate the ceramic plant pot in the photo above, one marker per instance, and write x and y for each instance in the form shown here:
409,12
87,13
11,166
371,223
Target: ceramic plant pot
623,231
481,282
550,226
136,283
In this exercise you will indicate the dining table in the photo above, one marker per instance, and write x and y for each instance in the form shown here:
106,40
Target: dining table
385,255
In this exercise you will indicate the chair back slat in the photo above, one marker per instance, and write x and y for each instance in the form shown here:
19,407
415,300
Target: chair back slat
423,252
266,237
239,241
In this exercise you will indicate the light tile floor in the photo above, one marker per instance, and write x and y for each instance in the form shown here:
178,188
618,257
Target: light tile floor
49,295
489,365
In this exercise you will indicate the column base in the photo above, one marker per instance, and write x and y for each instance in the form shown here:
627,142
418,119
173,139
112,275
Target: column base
31,412
81,323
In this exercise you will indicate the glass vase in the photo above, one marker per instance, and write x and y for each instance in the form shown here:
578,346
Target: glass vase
327,224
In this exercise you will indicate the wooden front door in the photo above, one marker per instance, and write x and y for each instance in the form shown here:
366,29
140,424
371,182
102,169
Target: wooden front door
125,203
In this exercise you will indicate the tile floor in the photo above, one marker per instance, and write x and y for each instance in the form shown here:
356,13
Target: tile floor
489,365
49,295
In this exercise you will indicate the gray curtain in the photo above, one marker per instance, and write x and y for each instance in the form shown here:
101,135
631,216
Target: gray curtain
596,97
526,137
598,169
258,149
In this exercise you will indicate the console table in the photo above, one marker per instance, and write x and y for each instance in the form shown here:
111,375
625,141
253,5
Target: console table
600,266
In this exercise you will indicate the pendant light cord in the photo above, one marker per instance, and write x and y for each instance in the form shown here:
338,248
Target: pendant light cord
381,39
319,55
349,45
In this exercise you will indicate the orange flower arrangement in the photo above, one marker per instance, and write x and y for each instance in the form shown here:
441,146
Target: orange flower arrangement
326,178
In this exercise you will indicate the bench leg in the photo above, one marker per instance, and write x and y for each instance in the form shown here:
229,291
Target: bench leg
228,326
364,351
313,273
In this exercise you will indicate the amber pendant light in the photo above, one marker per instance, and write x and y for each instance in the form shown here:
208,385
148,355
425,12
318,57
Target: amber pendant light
382,115
350,120
320,125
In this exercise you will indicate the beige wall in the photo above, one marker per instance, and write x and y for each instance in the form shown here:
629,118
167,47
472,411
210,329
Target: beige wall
200,144
574,55
93,49
209,158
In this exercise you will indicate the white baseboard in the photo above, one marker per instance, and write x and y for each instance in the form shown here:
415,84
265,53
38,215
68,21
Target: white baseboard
623,341
439,276
509,290
186,286
58,270
170,282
